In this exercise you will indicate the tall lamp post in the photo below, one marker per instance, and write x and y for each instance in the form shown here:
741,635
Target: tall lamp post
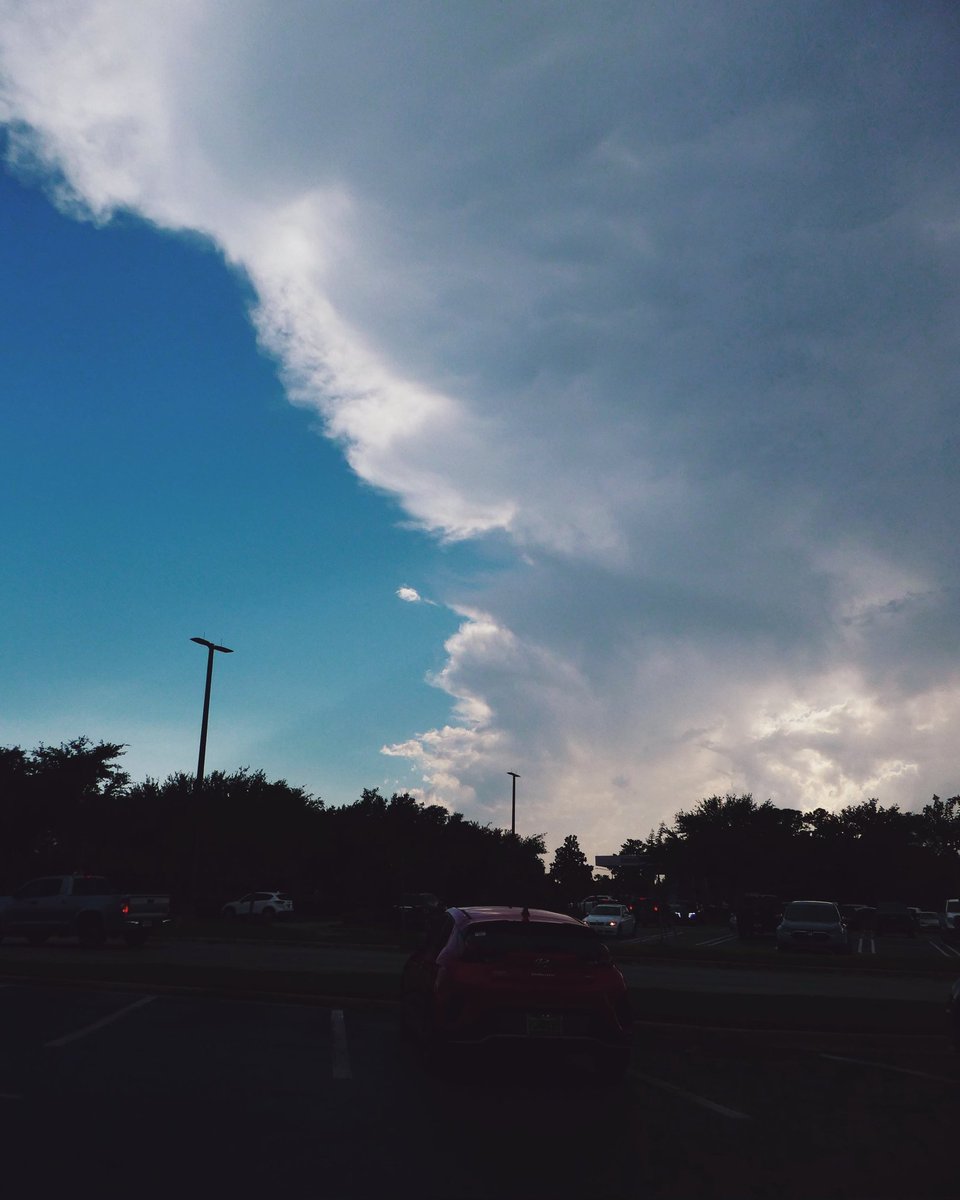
513,803
211,649
198,784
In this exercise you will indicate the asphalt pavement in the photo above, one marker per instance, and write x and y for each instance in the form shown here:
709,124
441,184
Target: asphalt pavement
159,1094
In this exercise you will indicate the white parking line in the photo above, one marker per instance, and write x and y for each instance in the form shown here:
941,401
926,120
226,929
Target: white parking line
731,1113
341,1059
717,941
950,950
939,949
79,1033
862,1062
9,1096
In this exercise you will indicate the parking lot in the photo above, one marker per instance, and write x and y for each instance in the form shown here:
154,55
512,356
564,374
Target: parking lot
925,947
155,1092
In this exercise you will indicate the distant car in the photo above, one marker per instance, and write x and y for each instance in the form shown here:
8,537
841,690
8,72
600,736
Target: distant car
757,915
612,919
927,919
893,917
259,904
522,978
858,917
589,904
812,925
419,903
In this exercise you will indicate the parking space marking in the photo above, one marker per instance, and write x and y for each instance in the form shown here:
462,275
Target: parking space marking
9,1096
731,1113
863,1062
718,941
79,1033
341,1058
939,949
950,950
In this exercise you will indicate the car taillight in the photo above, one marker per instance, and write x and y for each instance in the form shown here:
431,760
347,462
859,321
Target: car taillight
125,907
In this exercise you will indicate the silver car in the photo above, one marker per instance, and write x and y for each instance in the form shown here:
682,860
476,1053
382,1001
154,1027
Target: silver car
265,905
614,920
813,925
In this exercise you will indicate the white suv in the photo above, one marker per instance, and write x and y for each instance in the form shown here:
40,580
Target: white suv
951,916
259,904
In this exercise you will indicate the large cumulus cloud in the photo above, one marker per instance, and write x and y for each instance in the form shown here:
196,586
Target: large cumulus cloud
662,297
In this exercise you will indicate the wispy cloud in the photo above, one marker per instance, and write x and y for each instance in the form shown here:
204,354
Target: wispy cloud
412,596
663,299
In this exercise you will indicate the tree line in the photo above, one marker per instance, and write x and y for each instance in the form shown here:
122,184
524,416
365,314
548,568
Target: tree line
73,808
864,853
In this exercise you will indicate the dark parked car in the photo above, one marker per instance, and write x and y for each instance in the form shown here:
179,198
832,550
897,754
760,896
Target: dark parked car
893,917
859,917
420,903
491,975
758,915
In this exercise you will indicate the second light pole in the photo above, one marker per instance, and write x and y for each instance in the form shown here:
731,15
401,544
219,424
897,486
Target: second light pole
513,803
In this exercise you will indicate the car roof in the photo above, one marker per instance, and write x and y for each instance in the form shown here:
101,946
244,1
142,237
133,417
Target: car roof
474,914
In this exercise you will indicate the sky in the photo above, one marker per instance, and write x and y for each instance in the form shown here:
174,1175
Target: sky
560,388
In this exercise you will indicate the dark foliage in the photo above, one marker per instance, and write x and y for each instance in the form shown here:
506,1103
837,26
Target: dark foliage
72,808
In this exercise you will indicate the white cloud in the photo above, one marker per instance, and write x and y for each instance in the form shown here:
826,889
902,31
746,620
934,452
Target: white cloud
412,596
661,302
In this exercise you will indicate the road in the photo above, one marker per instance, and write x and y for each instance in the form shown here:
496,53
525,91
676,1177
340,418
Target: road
276,958
161,1094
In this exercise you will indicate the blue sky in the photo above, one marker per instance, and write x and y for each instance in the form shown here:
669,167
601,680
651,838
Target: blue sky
157,486
623,335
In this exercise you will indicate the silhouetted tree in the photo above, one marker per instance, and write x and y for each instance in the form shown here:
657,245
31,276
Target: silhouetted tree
570,872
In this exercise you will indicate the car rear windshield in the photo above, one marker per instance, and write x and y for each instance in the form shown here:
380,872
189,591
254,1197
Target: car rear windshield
606,910
825,914
498,939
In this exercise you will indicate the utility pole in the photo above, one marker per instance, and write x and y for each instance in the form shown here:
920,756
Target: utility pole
513,803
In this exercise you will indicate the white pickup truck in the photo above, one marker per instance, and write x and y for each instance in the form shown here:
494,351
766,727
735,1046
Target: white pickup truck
83,906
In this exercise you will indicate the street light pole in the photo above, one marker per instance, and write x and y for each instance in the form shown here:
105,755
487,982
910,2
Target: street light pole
198,783
211,649
513,803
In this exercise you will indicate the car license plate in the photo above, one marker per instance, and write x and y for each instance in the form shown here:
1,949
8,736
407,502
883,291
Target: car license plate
539,1025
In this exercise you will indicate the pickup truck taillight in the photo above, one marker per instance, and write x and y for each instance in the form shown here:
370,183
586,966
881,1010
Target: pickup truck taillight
125,907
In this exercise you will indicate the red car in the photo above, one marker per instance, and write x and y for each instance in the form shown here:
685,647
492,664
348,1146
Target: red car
491,975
